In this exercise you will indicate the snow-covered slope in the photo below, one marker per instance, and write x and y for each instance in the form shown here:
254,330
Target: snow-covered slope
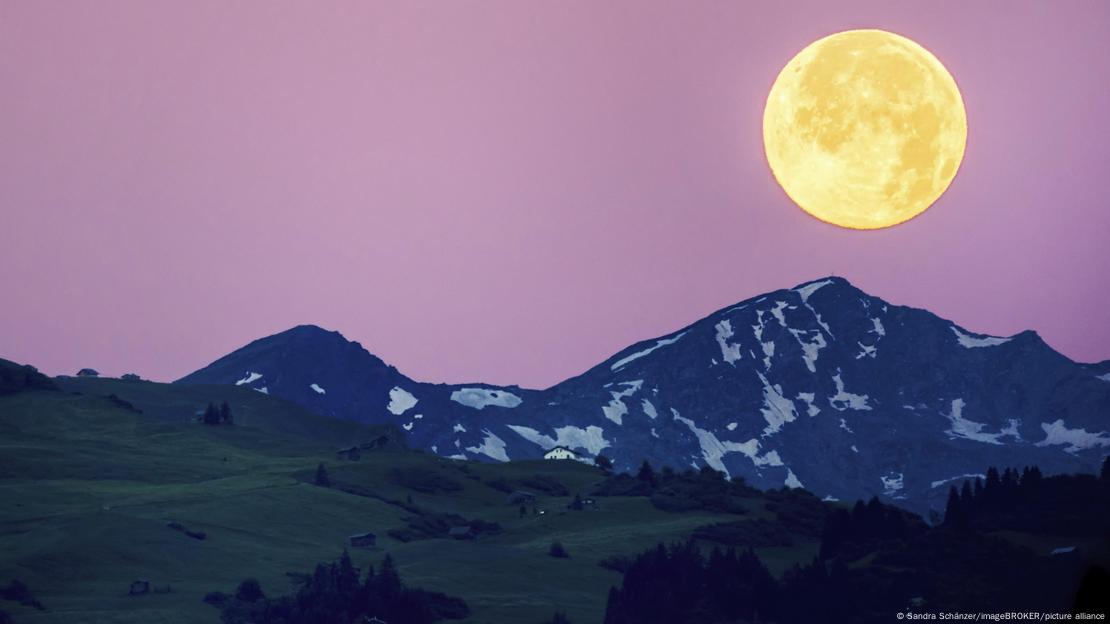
820,386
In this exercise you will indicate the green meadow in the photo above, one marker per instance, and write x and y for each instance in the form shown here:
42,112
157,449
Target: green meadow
90,483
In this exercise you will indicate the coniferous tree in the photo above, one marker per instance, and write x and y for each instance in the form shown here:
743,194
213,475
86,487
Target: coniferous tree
211,415
388,580
646,474
1035,475
993,482
347,575
225,414
1106,469
967,498
604,463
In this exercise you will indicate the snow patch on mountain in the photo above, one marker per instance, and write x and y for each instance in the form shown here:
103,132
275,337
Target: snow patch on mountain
729,352
1105,377
713,449
778,314
616,409
810,347
792,481
936,484
843,399
492,447
970,430
866,351
806,290
892,483
649,409
318,389
970,342
844,426
480,398
263,390
1057,433
809,398
459,428
878,327
768,353
249,378
777,409
400,400
592,438
639,354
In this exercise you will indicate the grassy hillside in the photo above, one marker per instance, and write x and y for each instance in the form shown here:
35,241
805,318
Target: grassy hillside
90,482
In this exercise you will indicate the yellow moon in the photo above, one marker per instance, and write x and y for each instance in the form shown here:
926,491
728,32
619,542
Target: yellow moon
864,129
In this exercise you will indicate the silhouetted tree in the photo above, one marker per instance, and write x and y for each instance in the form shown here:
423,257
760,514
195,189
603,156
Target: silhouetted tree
558,551
558,618
388,580
211,415
334,594
1106,468
322,476
225,414
249,591
604,463
646,474
966,494
952,511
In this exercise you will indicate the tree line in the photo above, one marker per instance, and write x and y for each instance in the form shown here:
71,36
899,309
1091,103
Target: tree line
220,415
876,560
338,593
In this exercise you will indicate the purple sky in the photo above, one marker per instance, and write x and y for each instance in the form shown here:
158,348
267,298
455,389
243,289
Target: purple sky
506,191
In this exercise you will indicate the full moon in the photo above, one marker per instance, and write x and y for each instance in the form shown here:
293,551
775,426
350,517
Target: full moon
864,129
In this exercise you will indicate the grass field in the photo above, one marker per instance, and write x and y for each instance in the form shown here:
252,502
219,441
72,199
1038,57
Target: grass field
88,488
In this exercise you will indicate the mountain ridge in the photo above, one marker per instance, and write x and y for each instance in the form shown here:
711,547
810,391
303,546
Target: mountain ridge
741,390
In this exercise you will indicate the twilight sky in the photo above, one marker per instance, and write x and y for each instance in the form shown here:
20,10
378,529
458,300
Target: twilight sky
506,191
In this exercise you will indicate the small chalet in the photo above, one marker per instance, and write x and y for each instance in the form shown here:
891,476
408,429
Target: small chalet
560,452
139,587
462,533
363,540
520,497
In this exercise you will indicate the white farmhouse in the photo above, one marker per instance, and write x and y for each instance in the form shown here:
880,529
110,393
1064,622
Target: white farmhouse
560,452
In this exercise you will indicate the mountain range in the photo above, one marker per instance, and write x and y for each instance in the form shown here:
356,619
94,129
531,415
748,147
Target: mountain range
820,386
